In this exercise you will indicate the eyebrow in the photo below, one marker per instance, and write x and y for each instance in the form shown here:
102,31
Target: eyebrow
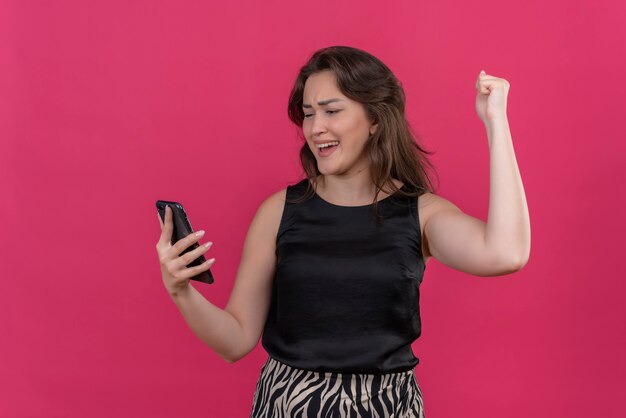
322,102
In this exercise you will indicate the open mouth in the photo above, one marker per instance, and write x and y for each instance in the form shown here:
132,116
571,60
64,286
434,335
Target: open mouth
326,150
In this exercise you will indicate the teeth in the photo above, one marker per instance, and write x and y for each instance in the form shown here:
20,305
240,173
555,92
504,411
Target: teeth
328,144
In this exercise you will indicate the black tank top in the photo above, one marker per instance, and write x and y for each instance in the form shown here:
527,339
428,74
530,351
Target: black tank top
345,296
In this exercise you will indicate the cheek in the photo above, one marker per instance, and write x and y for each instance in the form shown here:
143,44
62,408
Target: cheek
306,133
354,136
353,127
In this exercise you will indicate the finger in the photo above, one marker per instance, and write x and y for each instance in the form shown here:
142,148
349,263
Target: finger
185,242
160,220
166,233
488,84
194,271
482,86
482,76
187,258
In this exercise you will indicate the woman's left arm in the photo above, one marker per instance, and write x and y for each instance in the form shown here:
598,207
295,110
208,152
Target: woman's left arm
467,243
508,224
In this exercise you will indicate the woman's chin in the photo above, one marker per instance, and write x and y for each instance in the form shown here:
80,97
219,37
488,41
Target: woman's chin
326,169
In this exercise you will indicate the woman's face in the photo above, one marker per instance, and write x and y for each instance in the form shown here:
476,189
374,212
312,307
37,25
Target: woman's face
330,116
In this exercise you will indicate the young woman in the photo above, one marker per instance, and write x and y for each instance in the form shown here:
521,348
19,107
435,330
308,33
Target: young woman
332,264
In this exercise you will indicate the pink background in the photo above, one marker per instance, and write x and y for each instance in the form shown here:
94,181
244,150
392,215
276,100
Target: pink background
108,106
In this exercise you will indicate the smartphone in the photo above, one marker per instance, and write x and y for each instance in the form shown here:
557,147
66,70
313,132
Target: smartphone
182,228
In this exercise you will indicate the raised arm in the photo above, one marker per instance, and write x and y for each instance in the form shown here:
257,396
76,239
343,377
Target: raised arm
465,243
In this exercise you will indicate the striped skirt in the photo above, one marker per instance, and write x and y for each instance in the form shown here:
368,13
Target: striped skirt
283,391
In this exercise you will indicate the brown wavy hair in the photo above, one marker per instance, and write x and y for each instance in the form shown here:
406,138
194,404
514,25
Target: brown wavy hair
393,150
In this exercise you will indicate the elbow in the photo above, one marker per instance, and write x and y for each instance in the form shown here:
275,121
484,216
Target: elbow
516,263
230,360
521,263
522,259
235,357
507,262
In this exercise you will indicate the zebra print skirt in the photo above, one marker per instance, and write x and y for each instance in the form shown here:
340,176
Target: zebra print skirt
283,391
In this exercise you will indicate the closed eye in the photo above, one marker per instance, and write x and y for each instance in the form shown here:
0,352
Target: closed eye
328,111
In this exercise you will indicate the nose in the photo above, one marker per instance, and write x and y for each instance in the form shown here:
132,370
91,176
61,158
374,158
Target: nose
318,126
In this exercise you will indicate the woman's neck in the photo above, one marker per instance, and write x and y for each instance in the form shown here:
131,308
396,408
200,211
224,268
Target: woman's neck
349,191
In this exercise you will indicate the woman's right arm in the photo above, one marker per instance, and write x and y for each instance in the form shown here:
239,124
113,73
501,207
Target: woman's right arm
234,331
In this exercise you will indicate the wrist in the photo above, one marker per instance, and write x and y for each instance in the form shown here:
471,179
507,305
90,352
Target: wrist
180,292
496,120
494,124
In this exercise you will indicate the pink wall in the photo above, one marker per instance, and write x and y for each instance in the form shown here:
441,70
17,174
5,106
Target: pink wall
107,106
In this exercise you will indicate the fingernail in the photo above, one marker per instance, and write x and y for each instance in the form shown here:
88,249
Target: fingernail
208,244
199,233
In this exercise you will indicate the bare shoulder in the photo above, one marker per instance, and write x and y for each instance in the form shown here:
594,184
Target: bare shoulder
427,205
271,209
277,198
431,202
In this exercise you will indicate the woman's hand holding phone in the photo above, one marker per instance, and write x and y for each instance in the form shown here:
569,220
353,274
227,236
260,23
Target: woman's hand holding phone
173,268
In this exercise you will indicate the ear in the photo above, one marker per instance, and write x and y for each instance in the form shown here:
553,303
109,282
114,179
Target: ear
373,128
